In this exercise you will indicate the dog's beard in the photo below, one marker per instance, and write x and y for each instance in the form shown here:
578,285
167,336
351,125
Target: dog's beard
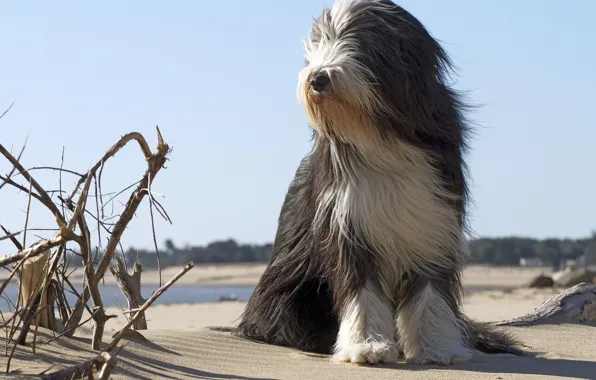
335,116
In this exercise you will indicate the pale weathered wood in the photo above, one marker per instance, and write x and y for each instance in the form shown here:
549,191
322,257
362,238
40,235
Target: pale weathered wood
130,285
31,278
150,300
574,305
98,368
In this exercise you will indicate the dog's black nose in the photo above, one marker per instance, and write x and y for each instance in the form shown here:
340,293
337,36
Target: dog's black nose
320,82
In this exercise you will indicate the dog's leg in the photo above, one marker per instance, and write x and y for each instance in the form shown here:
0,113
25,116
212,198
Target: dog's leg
429,325
366,330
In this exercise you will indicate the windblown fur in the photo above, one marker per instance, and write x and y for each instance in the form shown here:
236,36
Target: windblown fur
368,254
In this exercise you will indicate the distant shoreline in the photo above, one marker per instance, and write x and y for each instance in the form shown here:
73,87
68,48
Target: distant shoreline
248,274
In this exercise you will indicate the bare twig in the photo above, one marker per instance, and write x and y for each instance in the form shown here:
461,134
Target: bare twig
60,179
43,195
66,332
153,230
6,111
24,244
55,169
97,207
148,303
9,236
101,366
117,194
18,159
12,239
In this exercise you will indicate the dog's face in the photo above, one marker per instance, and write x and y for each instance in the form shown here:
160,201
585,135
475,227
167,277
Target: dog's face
368,64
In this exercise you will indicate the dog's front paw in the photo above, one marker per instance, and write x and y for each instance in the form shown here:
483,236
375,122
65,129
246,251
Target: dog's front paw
457,354
367,353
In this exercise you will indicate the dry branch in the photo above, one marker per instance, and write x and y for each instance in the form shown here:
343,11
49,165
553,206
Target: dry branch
18,159
155,162
98,368
148,303
130,285
38,289
10,235
43,195
573,305
37,248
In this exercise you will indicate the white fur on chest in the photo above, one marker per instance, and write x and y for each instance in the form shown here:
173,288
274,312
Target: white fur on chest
395,203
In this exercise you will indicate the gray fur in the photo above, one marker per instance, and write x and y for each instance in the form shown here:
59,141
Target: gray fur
391,127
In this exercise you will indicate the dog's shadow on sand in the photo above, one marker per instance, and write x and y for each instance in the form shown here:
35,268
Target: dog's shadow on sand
535,363
509,364
502,364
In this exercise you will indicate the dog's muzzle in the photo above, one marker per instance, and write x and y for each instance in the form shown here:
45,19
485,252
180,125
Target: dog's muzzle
320,82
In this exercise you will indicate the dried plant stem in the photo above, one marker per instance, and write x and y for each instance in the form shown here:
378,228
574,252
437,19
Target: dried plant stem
43,195
101,366
18,159
153,230
148,303
10,235
24,244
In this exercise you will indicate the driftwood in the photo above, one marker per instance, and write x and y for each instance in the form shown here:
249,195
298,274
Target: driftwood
574,305
130,285
43,273
31,277
147,303
155,163
43,268
98,368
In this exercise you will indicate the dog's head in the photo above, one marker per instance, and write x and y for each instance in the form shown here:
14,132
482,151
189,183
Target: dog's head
371,69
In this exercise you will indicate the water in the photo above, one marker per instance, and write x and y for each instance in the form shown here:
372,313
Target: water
177,294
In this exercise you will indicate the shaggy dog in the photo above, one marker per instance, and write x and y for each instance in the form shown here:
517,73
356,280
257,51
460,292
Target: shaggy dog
368,254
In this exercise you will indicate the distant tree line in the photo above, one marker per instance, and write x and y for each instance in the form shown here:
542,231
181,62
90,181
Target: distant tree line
509,250
496,251
217,252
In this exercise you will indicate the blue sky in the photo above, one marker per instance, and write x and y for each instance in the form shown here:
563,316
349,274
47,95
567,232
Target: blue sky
219,78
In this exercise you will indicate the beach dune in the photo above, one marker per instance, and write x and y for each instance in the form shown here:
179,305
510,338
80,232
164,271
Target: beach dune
193,341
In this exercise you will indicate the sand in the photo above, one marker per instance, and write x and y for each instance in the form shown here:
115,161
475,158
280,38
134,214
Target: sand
181,345
248,275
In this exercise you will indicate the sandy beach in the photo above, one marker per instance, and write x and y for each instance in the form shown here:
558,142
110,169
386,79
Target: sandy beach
181,343
248,275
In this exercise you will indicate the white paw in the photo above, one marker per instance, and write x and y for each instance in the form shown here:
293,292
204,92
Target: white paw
457,354
367,353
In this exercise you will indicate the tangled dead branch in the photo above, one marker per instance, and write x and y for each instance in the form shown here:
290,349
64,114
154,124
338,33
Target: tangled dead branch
44,280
